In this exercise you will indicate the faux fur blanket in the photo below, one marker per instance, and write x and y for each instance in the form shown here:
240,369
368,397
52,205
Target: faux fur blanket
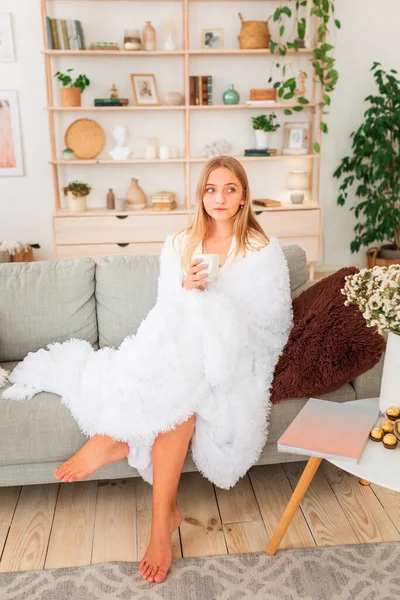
211,353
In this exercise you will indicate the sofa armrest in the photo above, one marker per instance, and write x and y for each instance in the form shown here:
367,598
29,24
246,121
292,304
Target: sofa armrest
368,384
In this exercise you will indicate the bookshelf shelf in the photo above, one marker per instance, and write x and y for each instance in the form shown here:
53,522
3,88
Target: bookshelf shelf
299,223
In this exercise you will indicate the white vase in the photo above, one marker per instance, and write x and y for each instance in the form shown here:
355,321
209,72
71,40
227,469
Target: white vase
390,385
169,44
261,139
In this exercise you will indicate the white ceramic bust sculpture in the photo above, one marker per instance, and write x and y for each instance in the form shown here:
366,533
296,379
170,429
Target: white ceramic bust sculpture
120,152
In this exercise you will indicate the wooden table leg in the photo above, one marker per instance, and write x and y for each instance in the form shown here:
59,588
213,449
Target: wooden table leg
293,504
364,482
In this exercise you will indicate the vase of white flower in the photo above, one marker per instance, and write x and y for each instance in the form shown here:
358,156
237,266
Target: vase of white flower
376,292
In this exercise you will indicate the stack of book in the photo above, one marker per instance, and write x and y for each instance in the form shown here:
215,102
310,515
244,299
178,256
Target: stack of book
164,201
200,90
256,152
111,102
64,34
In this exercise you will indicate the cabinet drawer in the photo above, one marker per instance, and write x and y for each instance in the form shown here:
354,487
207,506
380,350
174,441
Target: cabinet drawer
96,251
290,223
111,229
309,244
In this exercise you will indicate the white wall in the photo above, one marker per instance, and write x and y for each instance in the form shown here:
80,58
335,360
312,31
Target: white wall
26,203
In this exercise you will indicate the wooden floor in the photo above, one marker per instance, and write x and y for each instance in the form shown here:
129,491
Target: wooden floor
62,525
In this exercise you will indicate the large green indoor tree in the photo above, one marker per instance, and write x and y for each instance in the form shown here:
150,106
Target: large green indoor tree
373,169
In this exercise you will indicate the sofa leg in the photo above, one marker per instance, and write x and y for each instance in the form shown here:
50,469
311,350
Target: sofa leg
293,504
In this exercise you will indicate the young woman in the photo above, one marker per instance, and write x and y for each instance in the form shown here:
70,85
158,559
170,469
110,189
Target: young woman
227,339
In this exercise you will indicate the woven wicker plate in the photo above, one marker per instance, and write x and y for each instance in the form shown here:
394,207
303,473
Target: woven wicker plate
85,137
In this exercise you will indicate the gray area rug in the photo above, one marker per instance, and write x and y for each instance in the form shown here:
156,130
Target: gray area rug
354,572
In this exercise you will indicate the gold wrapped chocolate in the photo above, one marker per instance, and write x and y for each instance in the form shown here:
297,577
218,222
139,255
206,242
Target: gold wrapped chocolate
376,434
390,441
393,413
388,426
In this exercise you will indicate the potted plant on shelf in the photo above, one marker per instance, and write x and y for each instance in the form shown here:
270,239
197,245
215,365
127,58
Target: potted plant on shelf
72,89
77,192
263,126
374,168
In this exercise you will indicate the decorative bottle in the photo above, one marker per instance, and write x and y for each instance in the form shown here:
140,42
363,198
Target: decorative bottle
231,96
110,199
149,37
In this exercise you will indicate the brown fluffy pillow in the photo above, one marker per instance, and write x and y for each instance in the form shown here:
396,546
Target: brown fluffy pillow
329,343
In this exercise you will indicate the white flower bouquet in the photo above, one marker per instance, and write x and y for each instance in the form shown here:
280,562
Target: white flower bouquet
376,292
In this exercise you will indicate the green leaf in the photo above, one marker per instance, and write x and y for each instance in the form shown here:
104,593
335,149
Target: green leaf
277,14
337,23
326,99
276,84
316,147
298,108
288,96
272,46
302,100
281,30
301,30
287,111
324,127
286,10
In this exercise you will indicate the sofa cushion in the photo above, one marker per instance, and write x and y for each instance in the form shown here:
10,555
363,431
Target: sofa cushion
42,429
329,344
126,290
37,430
43,302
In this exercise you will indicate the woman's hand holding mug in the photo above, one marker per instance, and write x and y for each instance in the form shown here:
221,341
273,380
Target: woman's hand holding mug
196,279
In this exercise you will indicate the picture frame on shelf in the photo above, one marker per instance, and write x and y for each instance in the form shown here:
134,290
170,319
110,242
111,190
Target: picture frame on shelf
296,138
212,39
11,163
144,88
7,51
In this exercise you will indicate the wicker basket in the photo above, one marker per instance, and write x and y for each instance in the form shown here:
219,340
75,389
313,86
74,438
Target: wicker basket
254,35
373,259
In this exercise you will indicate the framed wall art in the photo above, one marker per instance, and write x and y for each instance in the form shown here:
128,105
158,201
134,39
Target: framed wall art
7,52
10,135
212,39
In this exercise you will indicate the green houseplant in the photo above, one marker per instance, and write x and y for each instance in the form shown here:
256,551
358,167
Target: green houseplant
72,89
263,125
374,168
77,192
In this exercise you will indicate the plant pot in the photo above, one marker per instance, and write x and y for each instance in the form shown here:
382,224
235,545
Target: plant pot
390,383
71,96
390,251
261,139
76,203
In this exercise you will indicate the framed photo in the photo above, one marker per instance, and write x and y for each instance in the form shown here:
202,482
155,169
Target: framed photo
212,39
10,135
144,89
7,53
296,138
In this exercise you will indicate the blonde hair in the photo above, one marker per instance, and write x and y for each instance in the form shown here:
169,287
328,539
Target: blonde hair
246,228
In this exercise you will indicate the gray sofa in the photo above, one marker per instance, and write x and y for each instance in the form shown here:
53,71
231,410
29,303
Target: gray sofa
102,302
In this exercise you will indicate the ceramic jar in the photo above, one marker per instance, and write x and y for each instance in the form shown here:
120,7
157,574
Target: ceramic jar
135,196
173,99
149,37
76,203
110,199
231,96
132,40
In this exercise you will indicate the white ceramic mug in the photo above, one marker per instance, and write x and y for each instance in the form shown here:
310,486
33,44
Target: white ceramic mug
165,153
212,260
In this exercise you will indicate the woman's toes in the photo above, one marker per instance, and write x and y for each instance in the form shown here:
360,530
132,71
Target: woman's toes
146,571
150,577
160,576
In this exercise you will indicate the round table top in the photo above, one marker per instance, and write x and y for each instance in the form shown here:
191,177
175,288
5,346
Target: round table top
377,464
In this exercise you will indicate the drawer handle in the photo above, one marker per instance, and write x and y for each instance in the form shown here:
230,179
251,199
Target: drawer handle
122,216
258,212
123,245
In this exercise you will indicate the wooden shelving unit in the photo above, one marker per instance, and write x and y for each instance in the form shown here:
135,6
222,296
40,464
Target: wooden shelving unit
173,220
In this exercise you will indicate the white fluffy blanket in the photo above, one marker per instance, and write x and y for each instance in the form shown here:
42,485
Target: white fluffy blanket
210,353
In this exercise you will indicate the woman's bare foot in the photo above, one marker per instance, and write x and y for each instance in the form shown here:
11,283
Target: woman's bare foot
155,564
97,452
